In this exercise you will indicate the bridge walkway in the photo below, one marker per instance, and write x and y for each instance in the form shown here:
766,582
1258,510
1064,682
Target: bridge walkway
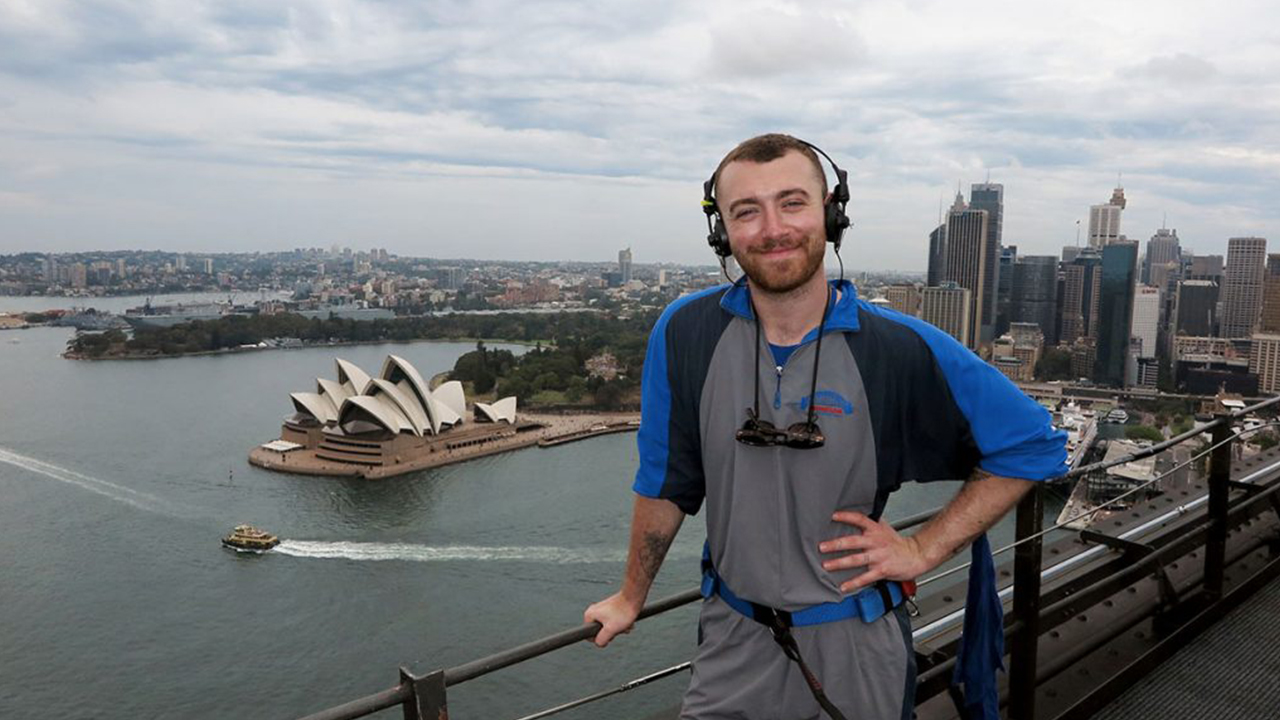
1229,672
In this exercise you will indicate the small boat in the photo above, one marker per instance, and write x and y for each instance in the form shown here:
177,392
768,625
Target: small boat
247,538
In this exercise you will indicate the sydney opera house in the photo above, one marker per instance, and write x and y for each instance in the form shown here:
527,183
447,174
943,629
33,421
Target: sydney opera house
359,425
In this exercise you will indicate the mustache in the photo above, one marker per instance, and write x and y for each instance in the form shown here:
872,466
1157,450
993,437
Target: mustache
775,245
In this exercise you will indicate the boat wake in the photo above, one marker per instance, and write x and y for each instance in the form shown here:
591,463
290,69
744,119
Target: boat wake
119,493
446,553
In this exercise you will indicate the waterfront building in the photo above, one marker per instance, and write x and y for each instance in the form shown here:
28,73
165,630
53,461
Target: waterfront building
947,307
1115,311
1242,286
904,298
357,424
967,262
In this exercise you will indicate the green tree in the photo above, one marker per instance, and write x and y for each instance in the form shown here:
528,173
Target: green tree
1143,432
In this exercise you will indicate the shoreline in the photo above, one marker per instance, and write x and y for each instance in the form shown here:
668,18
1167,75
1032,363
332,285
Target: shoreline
553,431
69,355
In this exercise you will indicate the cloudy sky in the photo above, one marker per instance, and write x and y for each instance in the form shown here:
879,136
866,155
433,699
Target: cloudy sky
566,130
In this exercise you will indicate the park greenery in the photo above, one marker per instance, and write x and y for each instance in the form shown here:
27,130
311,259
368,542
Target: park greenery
552,373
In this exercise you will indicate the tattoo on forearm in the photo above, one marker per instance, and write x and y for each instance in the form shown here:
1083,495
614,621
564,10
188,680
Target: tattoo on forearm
652,550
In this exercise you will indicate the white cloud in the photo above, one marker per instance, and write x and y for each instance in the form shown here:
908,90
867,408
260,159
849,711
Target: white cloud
569,130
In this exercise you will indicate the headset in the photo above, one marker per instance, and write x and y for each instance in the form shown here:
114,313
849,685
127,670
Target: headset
834,217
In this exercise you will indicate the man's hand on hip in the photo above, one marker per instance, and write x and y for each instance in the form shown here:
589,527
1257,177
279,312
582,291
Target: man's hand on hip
884,553
616,616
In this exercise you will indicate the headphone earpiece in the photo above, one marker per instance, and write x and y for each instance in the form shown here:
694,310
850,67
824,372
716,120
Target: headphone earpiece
717,235
835,220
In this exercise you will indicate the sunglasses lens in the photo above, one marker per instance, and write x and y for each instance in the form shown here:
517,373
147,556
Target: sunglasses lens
805,436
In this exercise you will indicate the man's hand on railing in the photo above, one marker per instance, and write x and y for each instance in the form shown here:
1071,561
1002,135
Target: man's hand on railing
615,614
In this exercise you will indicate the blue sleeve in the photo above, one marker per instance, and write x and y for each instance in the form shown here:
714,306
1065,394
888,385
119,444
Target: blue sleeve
670,386
655,415
1014,435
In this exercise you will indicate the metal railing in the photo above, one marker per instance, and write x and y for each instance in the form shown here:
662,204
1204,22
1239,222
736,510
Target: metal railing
425,697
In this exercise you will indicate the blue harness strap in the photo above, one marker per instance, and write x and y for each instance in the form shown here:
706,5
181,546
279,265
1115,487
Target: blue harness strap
870,604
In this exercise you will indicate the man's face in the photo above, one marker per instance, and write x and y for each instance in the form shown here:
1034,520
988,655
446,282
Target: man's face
774,214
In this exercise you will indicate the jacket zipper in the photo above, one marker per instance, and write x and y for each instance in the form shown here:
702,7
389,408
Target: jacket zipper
777,392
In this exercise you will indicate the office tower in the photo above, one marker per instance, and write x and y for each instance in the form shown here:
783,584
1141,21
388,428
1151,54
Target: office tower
947,307
989,197
1146,319
937,256
1082,283
1033,297
1115,311
208,266
1070,252
1104,220
1271,296
903,298
50,269
1194,310
1004,288
1162,248
1264,361
624,265
181,263
79,275
1242,286
1204,267
967,261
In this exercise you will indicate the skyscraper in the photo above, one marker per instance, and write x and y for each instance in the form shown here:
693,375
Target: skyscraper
1161,248
1194,309
1271,296
937,256
1004,288
947,307
989,197
1146,319
1115,312
1033,298
624,265
1082,283
967,261
1104,220
1242,286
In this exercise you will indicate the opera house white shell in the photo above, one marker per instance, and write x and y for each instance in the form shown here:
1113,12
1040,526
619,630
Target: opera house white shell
396,402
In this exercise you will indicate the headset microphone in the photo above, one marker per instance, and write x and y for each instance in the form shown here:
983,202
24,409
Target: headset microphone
834,218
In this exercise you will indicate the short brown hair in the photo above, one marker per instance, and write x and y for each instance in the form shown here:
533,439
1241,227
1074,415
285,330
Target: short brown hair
767,148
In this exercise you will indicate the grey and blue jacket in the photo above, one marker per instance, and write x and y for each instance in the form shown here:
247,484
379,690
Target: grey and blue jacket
897,400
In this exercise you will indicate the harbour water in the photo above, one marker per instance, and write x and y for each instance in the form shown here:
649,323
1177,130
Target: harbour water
118,478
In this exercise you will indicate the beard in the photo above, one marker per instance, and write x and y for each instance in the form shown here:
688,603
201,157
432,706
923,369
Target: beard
782,276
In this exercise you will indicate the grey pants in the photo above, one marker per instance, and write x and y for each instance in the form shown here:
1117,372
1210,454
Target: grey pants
740,673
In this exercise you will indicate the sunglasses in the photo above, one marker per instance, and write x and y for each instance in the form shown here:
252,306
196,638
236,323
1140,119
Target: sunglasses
762,433
800,436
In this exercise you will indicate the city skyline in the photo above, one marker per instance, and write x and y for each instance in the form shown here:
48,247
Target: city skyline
203,127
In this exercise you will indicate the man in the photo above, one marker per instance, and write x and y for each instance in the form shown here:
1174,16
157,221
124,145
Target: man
796,457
